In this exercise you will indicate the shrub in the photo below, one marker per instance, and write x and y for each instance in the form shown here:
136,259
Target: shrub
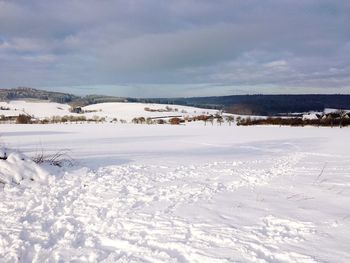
59,158
64,119
142,120
201,118
149,121
55,119
230,119
175,121
76,109
23,119
167,108
139,120
219,120
327,121
45,121
211,120
157,110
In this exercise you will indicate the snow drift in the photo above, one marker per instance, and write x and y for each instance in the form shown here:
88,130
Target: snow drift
18,168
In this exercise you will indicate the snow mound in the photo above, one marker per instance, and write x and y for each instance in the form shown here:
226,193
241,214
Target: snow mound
17,168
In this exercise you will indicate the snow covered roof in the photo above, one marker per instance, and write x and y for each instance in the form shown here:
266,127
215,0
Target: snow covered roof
310,116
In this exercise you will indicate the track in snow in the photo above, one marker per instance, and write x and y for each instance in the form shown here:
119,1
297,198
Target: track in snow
138,213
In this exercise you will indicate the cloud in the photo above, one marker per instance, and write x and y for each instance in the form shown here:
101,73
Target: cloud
216,47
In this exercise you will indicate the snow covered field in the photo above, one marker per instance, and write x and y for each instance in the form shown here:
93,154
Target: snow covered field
112,110
193,193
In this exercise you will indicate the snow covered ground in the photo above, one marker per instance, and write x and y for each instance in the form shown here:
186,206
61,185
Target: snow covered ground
118,110
39,109
194,193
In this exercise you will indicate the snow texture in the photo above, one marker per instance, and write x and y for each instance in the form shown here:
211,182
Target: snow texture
192,193
110,111
17,168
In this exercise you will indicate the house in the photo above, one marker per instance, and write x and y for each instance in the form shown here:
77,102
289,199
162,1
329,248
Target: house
311,116
76,110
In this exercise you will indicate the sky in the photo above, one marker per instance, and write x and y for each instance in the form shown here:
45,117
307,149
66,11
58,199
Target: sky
166,48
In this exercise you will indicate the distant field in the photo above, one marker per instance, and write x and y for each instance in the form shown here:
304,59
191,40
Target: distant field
114,110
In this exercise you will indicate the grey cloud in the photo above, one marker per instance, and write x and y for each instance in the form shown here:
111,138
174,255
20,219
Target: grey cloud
213,46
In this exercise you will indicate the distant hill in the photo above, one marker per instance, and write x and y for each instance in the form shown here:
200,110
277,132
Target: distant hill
30,93
264,104
239,104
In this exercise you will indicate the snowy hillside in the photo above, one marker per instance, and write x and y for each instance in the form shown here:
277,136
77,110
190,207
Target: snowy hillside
38,109
155,193
128,111
118,110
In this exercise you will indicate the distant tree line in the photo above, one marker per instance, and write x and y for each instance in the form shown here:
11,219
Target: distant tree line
27,119
29,93
264,105
340,119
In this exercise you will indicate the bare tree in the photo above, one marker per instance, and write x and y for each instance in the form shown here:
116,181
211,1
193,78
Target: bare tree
230,119
220,120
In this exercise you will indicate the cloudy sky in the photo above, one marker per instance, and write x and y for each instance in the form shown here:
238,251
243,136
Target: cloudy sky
150,48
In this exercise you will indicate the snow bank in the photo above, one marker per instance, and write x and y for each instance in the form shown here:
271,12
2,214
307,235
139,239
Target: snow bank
17,168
